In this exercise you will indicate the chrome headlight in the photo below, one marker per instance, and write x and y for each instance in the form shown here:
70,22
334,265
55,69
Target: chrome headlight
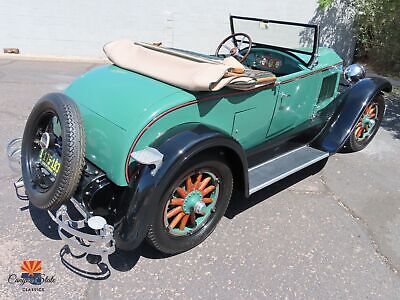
354,73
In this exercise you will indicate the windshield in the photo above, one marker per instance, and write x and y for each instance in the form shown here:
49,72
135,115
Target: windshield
300,40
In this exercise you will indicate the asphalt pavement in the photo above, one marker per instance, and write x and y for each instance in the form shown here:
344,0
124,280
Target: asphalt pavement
328,232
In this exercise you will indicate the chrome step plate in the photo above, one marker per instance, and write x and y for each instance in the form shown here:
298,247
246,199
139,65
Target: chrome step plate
282,166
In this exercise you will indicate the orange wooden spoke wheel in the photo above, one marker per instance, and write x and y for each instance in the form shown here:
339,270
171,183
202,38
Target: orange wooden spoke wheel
191,203
366,122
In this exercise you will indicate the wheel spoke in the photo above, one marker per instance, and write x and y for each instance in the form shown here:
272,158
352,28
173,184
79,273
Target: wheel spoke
189,185
226,47
208,200
204,183
174,211
176,220
241,42
184,222
239,55
193,218
177,201
180,215
198,180
208,190
181,192
358,131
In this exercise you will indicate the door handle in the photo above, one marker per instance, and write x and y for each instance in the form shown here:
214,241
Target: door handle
283,96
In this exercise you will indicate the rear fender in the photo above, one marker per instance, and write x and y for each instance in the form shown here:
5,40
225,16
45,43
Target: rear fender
142,197
350,105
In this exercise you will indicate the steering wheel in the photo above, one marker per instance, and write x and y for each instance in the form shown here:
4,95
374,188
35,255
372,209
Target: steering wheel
230,44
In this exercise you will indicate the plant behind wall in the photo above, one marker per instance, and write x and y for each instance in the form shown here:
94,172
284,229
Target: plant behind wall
376,27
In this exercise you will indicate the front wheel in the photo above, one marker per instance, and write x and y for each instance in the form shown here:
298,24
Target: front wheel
367,125
192,206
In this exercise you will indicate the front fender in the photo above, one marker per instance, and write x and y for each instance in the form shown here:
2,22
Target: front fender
351,104
144,193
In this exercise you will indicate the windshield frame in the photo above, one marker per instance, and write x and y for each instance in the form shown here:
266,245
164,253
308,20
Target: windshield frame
313,55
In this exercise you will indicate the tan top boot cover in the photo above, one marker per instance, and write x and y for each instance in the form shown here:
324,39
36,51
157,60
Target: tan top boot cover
190,72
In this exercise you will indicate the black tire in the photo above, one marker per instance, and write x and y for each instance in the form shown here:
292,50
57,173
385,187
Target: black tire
353,144
72,154
158,235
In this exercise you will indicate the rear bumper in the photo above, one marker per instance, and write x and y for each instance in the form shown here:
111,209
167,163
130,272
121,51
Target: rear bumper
74,232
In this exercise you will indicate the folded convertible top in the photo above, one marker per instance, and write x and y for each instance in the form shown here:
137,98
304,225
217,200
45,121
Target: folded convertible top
185,70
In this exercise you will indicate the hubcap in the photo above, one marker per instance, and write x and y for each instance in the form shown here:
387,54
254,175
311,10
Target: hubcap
191,203
192,199
366,123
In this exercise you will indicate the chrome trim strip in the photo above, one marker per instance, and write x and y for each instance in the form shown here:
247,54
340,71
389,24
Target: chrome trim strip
275,158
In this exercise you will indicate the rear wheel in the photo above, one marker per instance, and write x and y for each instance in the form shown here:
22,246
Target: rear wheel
367,125
52,154
192,206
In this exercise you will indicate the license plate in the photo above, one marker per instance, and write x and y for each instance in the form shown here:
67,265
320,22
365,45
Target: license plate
50,161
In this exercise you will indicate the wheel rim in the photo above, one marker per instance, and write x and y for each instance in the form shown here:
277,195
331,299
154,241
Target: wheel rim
45,155
191,203
367,122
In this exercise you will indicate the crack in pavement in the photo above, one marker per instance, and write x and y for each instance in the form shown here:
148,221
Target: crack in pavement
364,225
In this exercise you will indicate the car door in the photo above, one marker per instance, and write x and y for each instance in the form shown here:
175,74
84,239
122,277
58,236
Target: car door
297,97
252,116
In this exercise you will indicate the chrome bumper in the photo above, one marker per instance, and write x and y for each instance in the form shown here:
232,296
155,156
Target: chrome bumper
73,232
101,243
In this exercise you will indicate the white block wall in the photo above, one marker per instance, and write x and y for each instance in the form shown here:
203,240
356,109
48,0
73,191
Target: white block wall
82,27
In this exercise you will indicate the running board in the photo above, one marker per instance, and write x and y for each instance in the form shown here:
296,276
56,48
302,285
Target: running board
282,166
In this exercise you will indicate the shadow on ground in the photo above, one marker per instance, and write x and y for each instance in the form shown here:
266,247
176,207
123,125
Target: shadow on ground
124,261
391,121
240,204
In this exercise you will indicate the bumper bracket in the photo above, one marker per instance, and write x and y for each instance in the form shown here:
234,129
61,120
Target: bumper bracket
73,233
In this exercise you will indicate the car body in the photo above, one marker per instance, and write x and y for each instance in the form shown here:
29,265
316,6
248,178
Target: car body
300,118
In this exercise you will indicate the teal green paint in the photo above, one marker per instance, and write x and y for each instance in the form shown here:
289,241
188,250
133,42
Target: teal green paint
117,104
220,113
122,96
296,101
104,144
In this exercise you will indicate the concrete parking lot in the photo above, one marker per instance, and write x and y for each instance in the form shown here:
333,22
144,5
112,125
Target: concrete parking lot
329,233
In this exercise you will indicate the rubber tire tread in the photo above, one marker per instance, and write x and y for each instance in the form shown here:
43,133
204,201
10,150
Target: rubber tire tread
73,151
175,245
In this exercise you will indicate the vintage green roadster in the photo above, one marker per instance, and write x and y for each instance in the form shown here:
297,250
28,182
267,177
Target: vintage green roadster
152,145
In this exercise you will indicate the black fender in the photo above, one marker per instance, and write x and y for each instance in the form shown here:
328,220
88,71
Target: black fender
141,198
350,105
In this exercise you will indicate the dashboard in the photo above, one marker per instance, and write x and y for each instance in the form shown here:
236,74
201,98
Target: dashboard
273,61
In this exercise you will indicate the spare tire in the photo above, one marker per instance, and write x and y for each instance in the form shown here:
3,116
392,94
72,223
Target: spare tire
53,151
